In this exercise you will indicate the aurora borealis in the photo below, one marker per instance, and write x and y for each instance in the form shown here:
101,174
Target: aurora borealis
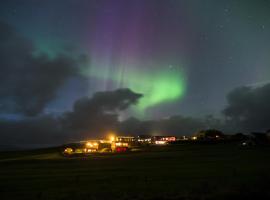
183,56
163,86
120,58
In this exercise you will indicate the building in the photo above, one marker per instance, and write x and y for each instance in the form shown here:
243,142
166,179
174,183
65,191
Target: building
123,143
144,139
163,139
86,147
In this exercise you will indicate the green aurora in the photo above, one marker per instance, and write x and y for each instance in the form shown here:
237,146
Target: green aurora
165,85
160,86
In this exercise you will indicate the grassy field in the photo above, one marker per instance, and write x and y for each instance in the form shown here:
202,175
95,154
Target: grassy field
222,171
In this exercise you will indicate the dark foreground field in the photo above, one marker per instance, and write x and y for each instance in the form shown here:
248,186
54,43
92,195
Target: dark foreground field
176,172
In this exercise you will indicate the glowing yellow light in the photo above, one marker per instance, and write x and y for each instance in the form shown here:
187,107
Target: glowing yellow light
68,150
161,142
121,144
89,144
105,141
112,138
194,138
91,150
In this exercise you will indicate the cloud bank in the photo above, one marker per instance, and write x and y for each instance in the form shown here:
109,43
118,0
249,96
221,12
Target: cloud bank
28,82
248,108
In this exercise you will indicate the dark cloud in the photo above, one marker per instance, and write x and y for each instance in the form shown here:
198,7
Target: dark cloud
91,117
175,125
96,115
28,81
31,133
249,108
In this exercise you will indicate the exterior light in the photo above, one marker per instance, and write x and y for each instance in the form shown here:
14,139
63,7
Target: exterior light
121,144
89,144
161,142
68,150
118,144
112,138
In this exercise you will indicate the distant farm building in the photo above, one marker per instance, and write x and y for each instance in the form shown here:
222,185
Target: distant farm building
163,139
122,143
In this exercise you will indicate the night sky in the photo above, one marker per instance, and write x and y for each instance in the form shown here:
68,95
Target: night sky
183,56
